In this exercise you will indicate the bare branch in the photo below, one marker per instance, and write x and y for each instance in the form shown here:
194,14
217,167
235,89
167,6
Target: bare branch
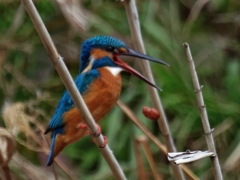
204,117
148,133
17,20
71,87
140,165
74,13
146,148
7,149
133,20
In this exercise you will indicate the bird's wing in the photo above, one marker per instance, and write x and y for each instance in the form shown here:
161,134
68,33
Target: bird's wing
82,82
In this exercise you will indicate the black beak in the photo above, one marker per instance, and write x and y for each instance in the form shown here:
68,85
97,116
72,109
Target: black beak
129,69
133,53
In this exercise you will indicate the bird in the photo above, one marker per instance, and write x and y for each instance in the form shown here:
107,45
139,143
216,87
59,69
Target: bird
99,83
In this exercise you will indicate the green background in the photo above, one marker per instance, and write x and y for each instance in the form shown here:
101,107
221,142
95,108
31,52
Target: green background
213,31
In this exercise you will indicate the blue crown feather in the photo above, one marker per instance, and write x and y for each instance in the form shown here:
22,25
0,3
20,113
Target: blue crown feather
97,42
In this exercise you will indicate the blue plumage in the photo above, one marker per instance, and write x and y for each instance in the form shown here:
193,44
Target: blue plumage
56,124
97,52
82,82
106,61
97,42
55,132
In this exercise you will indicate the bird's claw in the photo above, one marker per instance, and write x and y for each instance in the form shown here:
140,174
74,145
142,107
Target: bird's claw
99,131
83,126
104,143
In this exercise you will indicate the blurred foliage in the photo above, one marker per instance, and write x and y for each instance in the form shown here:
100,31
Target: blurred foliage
212,28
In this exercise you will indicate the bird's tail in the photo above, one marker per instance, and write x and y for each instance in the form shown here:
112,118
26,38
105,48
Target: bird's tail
57,145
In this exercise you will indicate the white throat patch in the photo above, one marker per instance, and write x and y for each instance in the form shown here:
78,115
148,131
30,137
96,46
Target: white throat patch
88,68
114,70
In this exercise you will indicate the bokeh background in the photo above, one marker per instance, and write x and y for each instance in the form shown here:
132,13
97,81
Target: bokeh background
30,87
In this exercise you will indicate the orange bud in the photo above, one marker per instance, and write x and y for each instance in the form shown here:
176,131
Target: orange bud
150,113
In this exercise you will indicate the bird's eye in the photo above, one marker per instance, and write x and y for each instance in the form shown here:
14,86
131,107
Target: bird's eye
110,48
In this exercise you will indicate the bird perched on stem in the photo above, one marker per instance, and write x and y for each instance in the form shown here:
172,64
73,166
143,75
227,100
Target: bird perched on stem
99,82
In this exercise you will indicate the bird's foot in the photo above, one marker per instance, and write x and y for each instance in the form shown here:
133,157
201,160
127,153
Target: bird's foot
99,131
83,126
104,142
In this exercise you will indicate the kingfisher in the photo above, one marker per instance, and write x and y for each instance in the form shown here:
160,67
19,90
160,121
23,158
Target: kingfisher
99,83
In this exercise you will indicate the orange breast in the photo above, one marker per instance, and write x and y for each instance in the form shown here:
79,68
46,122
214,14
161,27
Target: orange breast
102,95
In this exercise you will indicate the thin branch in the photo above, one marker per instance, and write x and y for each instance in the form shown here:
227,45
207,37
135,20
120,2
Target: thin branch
155,140
233,160
29,170
133,20
19,77
17,20
71,87
140,166
146,148
204,117
7,173
194,13
74,13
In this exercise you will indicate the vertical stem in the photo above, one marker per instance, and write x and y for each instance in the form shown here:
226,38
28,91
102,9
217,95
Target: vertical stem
204,116
7,173
148,153
71,87
133,20
140,166
153,138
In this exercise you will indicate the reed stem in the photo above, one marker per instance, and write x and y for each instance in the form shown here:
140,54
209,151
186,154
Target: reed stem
63,72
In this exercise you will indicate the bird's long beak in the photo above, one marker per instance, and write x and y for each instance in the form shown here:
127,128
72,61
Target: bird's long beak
133,53
129,69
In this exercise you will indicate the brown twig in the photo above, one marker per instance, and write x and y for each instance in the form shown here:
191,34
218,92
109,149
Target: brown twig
133,20
17,20
146,148
74,13
71,87
18,122
155,140
29,170
19,77
194,13
7,173
204,117
140,166
7,149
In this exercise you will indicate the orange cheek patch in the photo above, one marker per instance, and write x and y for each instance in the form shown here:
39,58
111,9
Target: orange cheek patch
123,50
99,53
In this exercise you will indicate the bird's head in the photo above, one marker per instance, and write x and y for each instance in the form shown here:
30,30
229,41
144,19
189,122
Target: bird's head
104,51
